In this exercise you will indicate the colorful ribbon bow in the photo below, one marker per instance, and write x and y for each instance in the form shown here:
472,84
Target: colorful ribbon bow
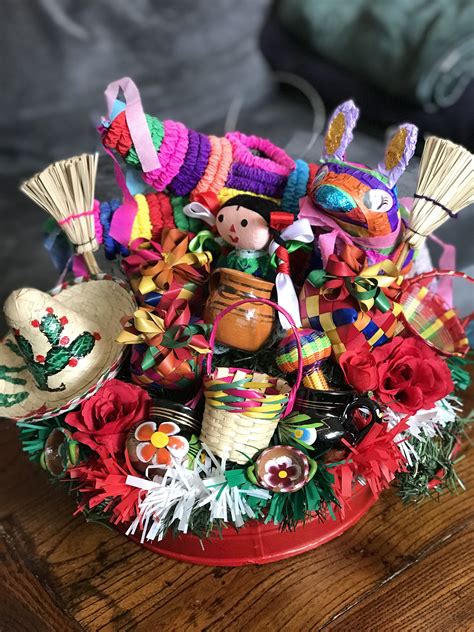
347,275
171,340
159,263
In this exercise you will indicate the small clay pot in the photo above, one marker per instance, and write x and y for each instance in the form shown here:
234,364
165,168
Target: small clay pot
248,327
282,469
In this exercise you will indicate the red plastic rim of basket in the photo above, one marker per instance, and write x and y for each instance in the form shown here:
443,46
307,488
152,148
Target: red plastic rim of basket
438,308
259,543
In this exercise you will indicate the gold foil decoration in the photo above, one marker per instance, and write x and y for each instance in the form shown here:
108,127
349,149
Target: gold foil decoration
335,133
395,149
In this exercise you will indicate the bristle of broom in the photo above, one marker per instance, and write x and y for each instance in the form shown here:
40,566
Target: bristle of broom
445,186
65,190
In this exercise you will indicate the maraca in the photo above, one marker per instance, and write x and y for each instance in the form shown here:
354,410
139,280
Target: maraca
315,346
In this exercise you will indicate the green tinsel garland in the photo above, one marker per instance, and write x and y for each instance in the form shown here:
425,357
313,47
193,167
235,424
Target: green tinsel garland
434,471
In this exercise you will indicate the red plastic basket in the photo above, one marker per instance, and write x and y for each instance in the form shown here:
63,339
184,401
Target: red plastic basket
259,543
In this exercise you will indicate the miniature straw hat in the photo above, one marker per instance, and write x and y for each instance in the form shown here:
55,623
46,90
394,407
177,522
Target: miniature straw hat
62,346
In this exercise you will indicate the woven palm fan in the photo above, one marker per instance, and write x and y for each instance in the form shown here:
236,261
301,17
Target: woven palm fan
428,316
445,186
65,190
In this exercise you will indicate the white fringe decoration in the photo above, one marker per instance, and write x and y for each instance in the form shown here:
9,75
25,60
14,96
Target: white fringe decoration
424,425
181,491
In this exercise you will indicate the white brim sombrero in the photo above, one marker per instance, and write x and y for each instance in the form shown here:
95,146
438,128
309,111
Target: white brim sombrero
62,346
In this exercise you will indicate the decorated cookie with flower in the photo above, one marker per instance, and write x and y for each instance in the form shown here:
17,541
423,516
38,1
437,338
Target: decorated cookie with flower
282,469
155,444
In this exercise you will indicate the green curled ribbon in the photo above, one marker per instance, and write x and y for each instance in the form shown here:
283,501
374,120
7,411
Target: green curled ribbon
176,337
367,287
205,241
368,293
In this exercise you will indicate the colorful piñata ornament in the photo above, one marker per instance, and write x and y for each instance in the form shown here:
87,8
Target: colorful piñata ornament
352,203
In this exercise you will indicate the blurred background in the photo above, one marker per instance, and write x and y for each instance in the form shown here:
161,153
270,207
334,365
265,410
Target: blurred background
270,68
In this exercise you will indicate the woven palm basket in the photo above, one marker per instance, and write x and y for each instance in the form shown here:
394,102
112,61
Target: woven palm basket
243,407
242,412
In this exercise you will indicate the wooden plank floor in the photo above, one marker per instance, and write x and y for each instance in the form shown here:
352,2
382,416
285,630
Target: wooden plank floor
400,568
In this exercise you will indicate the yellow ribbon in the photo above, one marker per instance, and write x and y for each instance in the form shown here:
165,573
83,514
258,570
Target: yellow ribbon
150,328
175,255
366,285
163,271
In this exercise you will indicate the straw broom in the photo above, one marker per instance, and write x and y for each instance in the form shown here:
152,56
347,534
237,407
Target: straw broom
65,190
445,186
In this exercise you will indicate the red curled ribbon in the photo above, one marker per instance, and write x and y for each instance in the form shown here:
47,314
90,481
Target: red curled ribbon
348,275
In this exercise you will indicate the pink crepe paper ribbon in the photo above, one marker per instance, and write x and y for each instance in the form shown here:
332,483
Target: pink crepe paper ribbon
136,121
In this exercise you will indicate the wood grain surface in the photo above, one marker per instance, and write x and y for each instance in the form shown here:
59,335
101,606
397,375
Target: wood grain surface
399,568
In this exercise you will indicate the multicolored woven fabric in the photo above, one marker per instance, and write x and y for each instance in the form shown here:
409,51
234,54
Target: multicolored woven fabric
315,347
176,377
428,315
346,325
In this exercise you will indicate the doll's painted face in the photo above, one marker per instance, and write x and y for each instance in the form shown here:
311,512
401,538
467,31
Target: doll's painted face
242,228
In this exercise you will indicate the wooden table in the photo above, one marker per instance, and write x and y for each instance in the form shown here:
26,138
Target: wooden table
400,568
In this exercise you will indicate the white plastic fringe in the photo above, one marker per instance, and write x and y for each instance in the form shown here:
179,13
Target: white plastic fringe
424,425
181,491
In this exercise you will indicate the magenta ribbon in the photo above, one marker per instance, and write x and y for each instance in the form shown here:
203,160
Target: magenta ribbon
123,218
136,121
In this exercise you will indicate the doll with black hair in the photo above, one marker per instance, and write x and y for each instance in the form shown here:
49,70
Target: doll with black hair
258,231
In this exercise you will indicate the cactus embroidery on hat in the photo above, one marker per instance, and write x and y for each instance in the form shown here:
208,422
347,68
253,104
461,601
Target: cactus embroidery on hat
62,345
63,352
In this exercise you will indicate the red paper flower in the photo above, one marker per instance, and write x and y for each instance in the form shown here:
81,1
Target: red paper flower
405,374
411,375
360,369
105,481
375,460
104,419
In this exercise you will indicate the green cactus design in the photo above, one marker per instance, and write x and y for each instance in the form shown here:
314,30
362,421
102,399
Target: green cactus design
25,348
59,355
7,400
52,328
5,372
13,347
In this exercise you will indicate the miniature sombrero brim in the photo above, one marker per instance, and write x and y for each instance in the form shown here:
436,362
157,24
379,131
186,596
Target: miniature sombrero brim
101,301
